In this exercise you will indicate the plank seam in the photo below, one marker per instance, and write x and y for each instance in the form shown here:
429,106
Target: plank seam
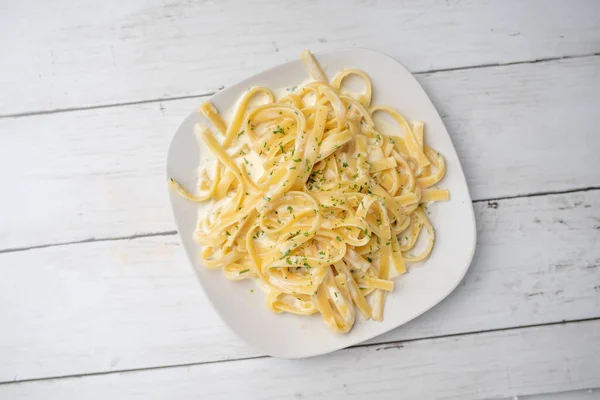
382,346
193,96
493,65
492,202
100,106
90,240
538,194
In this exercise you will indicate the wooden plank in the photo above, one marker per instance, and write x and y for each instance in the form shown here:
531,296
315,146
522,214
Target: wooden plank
126,304
100,173
139,50
512,125
88,174
476,366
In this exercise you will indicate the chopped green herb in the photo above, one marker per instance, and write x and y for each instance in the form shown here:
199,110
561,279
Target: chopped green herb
243,271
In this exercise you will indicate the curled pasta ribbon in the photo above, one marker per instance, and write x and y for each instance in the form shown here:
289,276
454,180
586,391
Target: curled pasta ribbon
364,99
312,201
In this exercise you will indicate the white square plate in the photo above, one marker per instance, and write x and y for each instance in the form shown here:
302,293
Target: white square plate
290,336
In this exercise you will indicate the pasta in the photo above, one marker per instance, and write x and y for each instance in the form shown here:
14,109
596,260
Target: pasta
312,201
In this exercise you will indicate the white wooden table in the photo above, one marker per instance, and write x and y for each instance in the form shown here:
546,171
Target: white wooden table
97,300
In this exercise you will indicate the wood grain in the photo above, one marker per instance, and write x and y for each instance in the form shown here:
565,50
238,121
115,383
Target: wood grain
141,49
100,173
476,366
90,97
126,304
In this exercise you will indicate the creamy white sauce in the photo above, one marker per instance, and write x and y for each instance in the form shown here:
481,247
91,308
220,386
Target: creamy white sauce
250,159
204,209
386,125
281,92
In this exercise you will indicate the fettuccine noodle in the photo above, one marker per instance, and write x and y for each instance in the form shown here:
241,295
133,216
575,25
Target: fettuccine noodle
337,209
